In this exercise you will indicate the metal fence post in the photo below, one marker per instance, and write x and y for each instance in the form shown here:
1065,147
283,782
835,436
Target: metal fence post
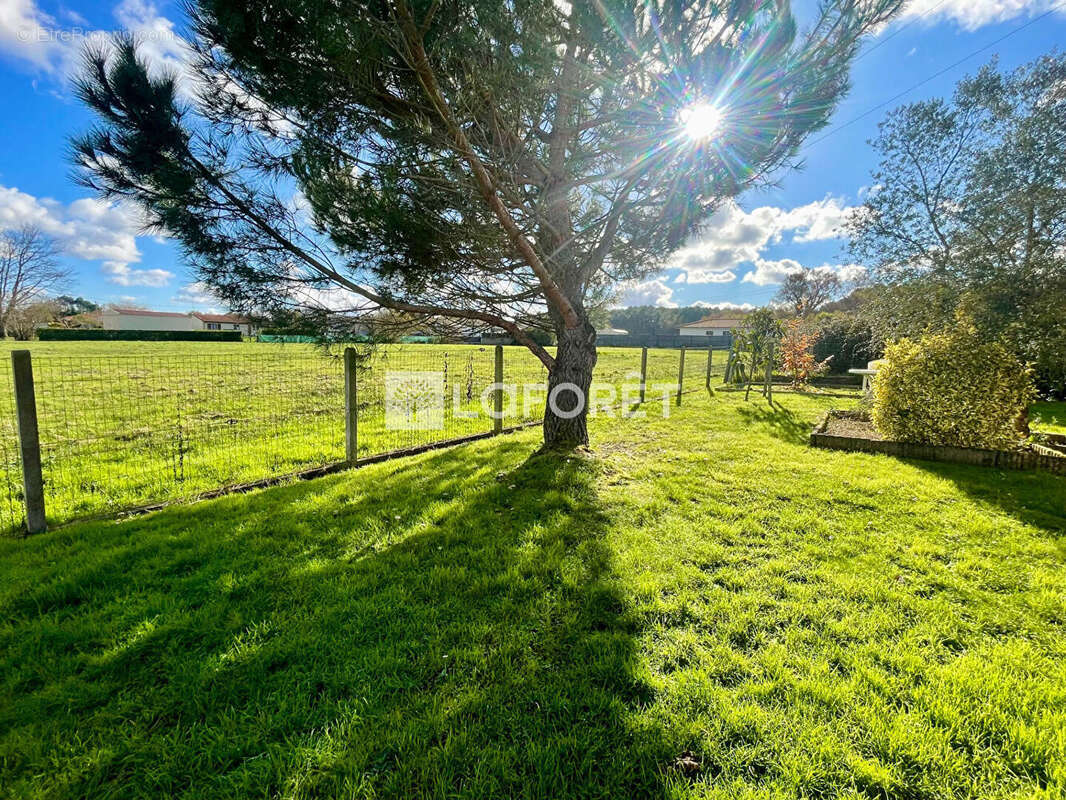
643,372
710,358
680,374
351,407
497,400
29,440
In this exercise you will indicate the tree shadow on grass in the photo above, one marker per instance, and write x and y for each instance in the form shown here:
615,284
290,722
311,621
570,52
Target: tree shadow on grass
779,421
445,628
1032,497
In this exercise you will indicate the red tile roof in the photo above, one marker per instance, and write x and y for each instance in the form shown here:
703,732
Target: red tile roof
229,318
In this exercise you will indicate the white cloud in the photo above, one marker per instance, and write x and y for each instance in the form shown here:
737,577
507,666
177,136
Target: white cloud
160,46
645,293
26,34
711,276
706,276
822,219
195,294
851,273
43,43
973,14
88,228
731,236
72,16
734,236
724,306
770,272
334,298
123,275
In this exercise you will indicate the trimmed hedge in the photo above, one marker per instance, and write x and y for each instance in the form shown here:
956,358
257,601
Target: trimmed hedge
847,339
952,389
98,334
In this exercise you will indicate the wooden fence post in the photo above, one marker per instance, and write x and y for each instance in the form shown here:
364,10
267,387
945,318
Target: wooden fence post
770,374
710,358
497,400
729,364
351,407
29,440
680,374
643,371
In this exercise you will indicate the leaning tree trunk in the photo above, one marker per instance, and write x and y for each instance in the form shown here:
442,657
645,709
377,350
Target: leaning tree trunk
569,380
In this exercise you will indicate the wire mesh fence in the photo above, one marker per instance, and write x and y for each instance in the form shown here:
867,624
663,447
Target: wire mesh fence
10,465
412,396
124,431
119,432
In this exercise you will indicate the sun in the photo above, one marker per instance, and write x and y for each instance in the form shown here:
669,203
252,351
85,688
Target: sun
701,121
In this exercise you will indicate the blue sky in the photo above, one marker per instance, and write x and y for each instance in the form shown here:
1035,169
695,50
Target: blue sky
740,260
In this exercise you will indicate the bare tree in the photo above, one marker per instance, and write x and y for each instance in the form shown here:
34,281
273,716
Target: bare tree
807,291
29,271
26,319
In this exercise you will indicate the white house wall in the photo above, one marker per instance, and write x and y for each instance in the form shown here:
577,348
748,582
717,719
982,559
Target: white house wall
136,322
703,332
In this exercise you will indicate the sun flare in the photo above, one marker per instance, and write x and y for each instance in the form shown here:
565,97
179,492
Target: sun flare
701,121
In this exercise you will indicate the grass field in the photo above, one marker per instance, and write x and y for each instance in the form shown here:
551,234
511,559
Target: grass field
125,424
702,607
1050,417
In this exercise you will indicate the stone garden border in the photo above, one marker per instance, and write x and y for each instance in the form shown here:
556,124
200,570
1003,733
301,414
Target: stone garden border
1046,460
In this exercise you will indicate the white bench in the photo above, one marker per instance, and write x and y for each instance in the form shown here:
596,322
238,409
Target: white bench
867,375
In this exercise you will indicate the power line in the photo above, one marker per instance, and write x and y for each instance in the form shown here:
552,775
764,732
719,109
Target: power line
763,292
898,31
935,75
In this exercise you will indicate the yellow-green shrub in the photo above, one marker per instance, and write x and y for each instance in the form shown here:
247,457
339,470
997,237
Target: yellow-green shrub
951,389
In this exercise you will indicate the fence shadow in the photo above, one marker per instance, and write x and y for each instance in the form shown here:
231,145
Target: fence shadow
455,629
778,420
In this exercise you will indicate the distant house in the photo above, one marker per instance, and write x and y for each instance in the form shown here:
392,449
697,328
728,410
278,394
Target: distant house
225,322
714,325
137,319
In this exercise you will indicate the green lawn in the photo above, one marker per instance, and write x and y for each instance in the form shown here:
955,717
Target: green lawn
702,607
125,424
1049,417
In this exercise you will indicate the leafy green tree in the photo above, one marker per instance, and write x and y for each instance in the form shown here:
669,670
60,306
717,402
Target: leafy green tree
645,320
970,213
73,306
754,347
492,162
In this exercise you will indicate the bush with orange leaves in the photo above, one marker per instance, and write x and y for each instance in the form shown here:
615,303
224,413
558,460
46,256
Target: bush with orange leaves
797,354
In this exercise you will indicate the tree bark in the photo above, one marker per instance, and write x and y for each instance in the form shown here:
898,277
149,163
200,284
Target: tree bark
566,410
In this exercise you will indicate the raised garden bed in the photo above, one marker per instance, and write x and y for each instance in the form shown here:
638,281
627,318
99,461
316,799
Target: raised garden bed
853,431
